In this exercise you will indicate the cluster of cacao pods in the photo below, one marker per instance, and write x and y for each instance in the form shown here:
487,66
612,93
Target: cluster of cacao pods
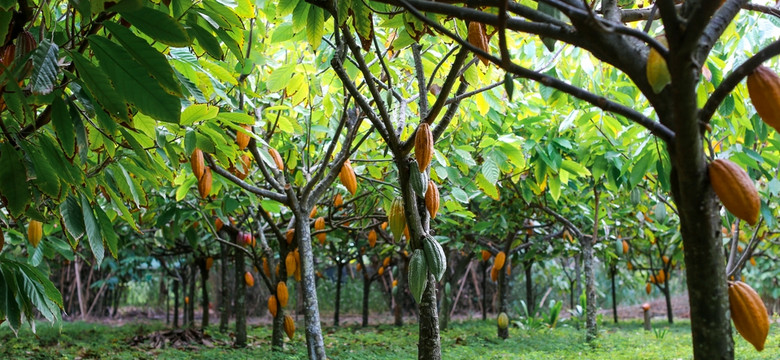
430,258
202,173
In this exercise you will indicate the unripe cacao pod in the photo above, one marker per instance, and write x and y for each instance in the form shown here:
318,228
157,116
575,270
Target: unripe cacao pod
289,326
764,89
209,263
242,138
748,313
290,264
486,255
372,238
418,274
417,179
500,260
196,163
735,190
423,146
347,177
434,257
432,199
338,201
204,183
503,320
250,280
34,232
277,158
657,72
478,38
397,218
282,294
272,306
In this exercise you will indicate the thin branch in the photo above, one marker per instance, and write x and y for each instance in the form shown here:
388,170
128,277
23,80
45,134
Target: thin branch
241,183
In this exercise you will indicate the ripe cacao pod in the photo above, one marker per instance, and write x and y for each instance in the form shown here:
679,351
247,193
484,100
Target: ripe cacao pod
246,162
500,260
661,277
434,257
372,238
423,146
752,260
242,138
417,179
338,201
204,183
629,266
289,326
648,288
494,273
418,274
218,224
384,225
359,267
432,199
486,255
395,282
665,259
289,236
266,268
272,306
406,232
187,300
209,263
347,177
657,72
735,189
290,264
250,280
503,320
196,163
397,218
386,262
478,38
282,294
764,89
34,232
319,224
625,247
381,271
313,212
748,313
277,158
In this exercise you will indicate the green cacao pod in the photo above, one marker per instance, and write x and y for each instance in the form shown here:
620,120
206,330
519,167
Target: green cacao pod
503,320
397,218
434,256
636,196
418,274
418,179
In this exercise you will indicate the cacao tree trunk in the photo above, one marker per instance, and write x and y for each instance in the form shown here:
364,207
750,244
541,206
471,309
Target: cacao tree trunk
529,286
400,292
667,295
591,331
240,298
429,346
484,267
224,298
503,289
366,293
314,343
204,295
176,303
340,269
277,334
612,272
191,305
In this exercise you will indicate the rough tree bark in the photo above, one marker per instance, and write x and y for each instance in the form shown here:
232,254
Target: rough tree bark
366,292
239,298
314,343
529,286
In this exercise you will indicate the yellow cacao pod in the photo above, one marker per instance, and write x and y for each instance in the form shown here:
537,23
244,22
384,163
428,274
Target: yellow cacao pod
266,268
625,247
432,199
748,313
34,232
494,273
423,146
242,137
498,263
250,280
289,326
372,238
272,306
204,183
338,200
503,320
486,255
196,163
397,218
289,236
277,158
657,72
290,264
764,89
478,39
648,288
282,294
735,189
347,177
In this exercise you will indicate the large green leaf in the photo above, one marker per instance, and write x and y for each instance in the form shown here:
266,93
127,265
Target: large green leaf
93,230
158,25
107,228
45,179
206,40
72,217
315,26
63,126
12,312
45,69
13,181
100,87
133,82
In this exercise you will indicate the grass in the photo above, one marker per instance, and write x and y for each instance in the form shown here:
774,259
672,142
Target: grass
468,340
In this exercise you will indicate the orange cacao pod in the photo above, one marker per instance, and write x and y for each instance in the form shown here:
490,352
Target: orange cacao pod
735,189
204,183
381,270
748,313
665,259
250,280
384,225
289,326
34,232
196,163
242,138
246,162
319,224
372,238
432,199
648,288
625,247
347,177
290,236
486,255
500,260
661,277
494,273
338,201
764,89
282,294
752,260
423,146
629,266
209,263
218,224
478,39
386,262
313,212
290,264
266,268
272,306
187,300
277,158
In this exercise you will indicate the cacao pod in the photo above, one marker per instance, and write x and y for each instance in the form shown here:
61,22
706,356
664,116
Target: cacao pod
290,264
764,89
34,232
242,137
347,177
297,274
752,260
372,238
508,269
625,247
652,279
187,300
735,190
266,268
319,224
250,280
500,260
417,179
657,72
629,266
272,307
196,163
386,262
246,162
359,267
7,57
338,201
434,257
395,282
289,326
313,212
665,259
478,38
209,263
661,277
397,218
486,255
503,320
381,271
290,236
432,199
423,146
494,273
282,294
218,224
204,183
406,232
418,274
277,158
648,288
384,225
748,313
321,237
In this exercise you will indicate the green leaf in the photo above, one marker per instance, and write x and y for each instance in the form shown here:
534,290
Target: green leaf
488,188
198,112
13,181
280,77
45,69
315,26
46,179
206,40
63,126
100,88
107,229
158,25
50,290
153,61
490,170
93,230
284,8
12,313
575,168
133,81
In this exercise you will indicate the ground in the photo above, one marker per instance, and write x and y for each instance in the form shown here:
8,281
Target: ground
472,339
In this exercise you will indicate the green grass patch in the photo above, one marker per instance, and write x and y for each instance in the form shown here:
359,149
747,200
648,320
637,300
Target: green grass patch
467,340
